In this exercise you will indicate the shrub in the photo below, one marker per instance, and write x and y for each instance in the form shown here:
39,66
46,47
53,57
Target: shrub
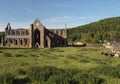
0,51
8,54
6,78
41,73
21,72
18,55
107,70
84,61
52,75
87,78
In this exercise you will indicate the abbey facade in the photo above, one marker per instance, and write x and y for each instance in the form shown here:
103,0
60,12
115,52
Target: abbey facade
36,37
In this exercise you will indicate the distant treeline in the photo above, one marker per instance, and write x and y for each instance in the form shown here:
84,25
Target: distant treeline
106,29
1,34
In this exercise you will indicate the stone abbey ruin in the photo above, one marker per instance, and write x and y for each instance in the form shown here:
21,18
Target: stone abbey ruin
37,36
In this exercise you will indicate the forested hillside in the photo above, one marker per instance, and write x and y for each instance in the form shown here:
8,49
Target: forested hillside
1,34
106,29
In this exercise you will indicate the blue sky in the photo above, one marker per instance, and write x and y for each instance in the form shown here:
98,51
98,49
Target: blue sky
56,13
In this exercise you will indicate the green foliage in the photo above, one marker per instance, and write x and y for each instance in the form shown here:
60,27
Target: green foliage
107,29
7,54
1,34
52,75
6,78
64,65
108,71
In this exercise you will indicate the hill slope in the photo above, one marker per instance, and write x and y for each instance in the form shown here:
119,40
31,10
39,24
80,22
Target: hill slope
106,29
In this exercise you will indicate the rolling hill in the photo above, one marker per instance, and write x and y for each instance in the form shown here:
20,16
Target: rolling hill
106,29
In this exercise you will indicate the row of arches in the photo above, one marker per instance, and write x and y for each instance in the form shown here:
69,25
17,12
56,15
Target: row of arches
17,42
17,32
60,32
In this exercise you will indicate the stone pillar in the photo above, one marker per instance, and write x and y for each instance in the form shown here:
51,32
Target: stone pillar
48,42
25,32
14,42
10,31
19,43
42,45
15,32
65,31
31,36
20,32
65,35
5,32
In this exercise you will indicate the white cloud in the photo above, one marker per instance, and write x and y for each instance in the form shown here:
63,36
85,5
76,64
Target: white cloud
52,22
60,21
56,5
29,10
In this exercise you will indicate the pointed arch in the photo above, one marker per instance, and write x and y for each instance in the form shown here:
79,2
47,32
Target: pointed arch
37,36
37,22
8,26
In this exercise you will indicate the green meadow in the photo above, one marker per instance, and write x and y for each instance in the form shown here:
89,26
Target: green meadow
62,65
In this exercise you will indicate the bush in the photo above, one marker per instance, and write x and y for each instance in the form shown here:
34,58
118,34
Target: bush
107,70
8,54
52,75
21,72
84,61
0,51
41,73
6,78
19,55
87,78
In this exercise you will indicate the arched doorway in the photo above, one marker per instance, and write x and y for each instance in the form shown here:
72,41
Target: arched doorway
37,37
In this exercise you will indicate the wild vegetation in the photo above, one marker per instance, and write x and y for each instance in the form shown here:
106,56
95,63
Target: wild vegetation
106,29
68,65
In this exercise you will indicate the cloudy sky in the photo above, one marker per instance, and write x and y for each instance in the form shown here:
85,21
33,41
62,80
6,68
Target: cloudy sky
56,13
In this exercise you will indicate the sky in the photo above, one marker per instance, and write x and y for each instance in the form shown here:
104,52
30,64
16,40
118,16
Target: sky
56,13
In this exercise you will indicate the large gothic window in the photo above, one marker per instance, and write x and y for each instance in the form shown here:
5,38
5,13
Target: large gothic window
37,36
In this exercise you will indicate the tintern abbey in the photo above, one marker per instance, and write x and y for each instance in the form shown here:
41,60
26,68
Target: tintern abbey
37,36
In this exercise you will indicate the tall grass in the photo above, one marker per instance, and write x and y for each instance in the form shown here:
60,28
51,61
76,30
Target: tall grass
68,65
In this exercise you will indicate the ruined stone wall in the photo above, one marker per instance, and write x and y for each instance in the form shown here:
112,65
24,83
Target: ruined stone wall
58,37
16,37
60,32
36,36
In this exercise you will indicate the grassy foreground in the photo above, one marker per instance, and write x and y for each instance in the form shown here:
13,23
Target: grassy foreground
66,65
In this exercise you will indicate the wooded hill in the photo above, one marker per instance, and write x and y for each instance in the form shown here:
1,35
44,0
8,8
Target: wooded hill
106,29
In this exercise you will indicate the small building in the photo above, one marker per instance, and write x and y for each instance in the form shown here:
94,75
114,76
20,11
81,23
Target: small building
37,36
108,45
116,48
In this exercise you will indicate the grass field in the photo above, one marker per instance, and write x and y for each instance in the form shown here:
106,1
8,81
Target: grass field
20,63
